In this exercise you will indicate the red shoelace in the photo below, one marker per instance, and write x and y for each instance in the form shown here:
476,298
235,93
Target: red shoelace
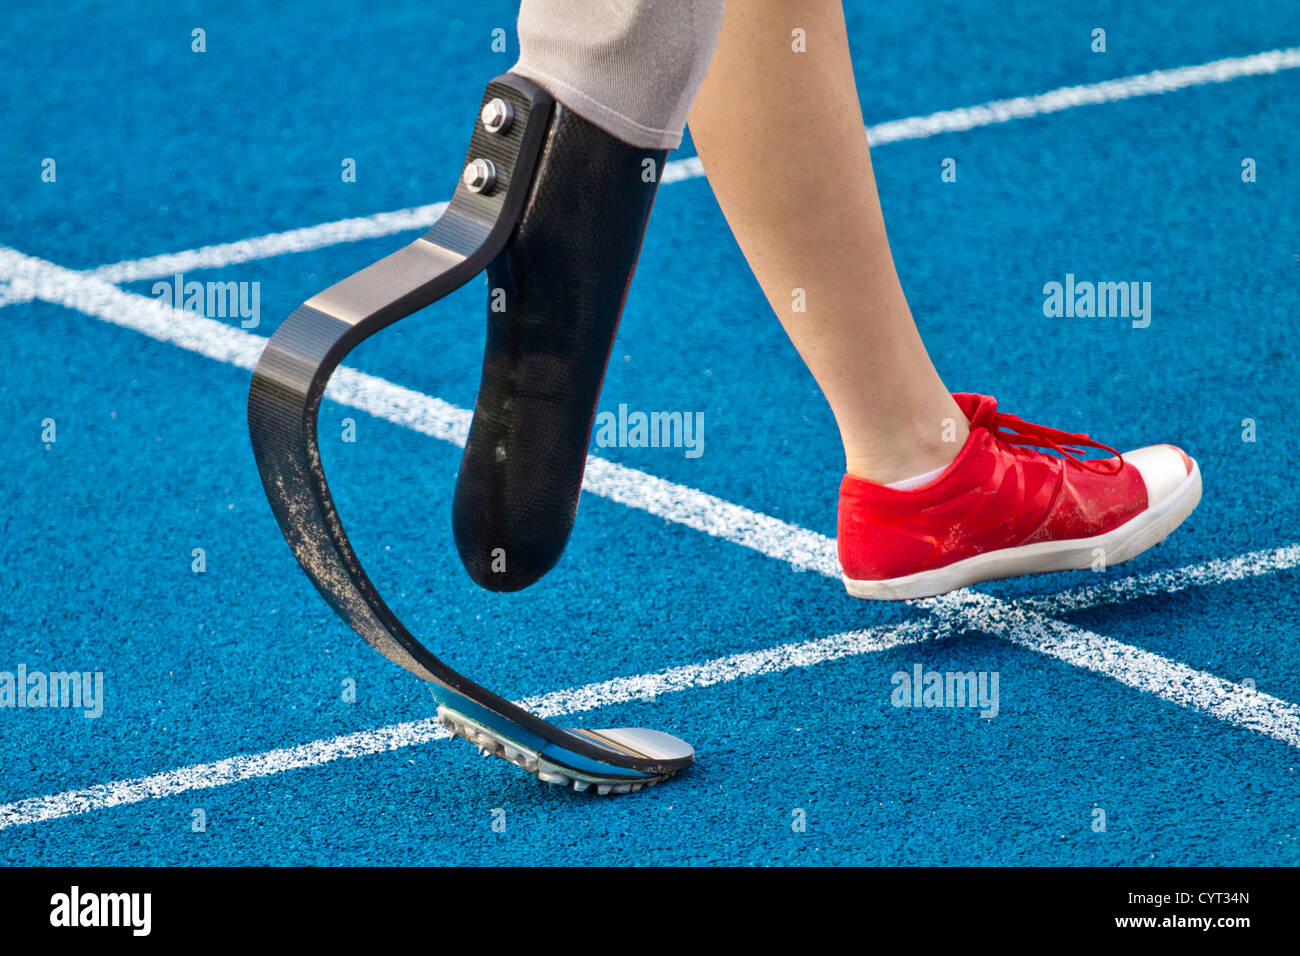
1017,433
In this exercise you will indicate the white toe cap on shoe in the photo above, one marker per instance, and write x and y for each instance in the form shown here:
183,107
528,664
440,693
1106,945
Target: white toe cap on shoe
1162,467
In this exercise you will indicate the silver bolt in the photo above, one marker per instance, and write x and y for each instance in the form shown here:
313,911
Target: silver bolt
497,115
480,176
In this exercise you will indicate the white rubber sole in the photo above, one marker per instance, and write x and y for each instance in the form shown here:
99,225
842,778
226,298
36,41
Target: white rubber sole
1114,547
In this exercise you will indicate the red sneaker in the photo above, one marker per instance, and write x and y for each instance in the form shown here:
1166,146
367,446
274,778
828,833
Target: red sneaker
1003,509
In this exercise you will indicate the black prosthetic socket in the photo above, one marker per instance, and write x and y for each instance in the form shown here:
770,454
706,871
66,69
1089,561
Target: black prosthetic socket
555,296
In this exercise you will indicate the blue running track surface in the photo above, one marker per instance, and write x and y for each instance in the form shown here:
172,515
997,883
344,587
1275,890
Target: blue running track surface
1147,714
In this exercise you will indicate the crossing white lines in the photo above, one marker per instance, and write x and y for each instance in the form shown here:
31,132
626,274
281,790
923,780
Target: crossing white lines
1032,623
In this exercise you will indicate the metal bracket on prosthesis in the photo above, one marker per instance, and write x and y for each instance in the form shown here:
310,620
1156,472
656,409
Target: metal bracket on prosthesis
284,402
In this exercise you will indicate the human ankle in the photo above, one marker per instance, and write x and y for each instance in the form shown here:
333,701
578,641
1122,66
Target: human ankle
909,452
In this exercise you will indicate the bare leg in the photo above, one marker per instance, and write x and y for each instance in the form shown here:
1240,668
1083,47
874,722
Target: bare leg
781,136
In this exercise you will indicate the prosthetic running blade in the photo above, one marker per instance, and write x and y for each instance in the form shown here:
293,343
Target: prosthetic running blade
284,402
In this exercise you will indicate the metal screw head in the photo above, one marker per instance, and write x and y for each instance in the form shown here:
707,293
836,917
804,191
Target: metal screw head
497,115
480,176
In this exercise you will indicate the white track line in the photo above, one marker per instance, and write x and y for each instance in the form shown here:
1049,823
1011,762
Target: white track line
276,244
893,131
43,280
1069,97
804,550
205,776
1140,669
1218,571
964,610
403,406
